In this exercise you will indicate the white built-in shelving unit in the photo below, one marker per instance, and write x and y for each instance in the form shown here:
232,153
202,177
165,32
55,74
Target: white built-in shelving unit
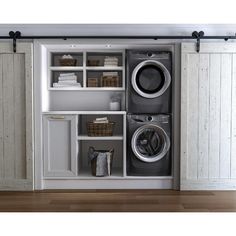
62,141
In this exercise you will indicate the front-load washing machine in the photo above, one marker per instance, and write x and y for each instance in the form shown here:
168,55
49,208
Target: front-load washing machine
148,145
149,75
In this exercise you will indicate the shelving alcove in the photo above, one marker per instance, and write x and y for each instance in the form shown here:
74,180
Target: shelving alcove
61,137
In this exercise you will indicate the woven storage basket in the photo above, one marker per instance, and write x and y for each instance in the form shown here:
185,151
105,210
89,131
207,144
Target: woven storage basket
94,162
100,129
93,62
92,82
67,62
110,81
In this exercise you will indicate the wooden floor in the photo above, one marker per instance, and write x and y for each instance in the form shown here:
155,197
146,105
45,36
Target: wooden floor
118,201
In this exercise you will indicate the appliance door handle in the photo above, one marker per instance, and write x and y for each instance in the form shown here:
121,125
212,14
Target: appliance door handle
137,120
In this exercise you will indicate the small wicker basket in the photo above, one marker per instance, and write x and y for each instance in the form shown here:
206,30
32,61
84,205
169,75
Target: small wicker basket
110,81
67,62
100,129
92,82
93,62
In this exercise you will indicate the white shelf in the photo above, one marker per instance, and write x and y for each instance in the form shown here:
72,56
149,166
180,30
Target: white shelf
116,173
84,112
104,68
85,137
66,68
87,89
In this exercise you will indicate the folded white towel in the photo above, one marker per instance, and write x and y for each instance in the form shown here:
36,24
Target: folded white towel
102,118
67,82
110,73
67,74
67,56
67,77
67,85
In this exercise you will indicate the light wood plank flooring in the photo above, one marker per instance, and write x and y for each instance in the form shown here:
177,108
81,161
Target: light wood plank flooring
118,201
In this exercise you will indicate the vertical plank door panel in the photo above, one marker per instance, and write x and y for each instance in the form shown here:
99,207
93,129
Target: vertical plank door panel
225,124
214,116
192,100
8,116
184,117
203,118
233,117
1,121
19,116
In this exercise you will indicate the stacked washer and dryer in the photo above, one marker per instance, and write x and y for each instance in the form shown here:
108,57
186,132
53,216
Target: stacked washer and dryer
149,112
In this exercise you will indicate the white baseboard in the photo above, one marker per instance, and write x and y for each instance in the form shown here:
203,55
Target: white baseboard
216,184
105,184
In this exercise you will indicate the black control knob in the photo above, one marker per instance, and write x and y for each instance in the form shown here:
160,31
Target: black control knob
149,118
149,54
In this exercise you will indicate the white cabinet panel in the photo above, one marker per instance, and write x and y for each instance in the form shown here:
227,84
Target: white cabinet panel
60,149
208,100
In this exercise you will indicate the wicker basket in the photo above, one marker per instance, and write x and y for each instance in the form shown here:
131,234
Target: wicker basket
92,82
110,81
94,162
100,129
67,62
93,62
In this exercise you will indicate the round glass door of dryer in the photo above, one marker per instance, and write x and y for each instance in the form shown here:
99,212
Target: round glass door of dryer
150,143
150,79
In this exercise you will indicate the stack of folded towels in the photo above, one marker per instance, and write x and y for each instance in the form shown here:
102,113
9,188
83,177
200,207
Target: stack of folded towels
67,80
111,61
110,74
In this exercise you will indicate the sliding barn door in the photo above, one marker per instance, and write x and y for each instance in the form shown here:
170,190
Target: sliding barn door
208,117
16,117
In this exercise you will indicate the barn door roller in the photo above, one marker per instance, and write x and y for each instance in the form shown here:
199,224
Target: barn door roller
14,36
198,36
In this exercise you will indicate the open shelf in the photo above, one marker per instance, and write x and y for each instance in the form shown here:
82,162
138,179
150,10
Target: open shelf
66,68
86,137
104,68
84,112
86,173
88,89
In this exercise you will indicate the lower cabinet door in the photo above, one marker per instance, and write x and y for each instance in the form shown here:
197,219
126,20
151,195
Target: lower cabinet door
60,149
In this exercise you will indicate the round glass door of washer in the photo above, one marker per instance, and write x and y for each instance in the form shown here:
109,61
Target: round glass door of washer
150,79
150,143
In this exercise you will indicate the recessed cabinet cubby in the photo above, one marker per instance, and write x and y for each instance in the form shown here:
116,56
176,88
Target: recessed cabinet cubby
66,144
88,65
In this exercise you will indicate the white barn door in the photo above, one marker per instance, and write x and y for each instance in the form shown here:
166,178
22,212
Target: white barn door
208,117
16,152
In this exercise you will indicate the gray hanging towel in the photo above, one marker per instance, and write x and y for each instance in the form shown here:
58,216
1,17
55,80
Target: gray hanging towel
101,169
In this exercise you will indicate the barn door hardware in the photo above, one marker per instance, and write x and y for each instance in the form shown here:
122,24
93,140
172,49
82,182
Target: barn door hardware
198,36
195,36
14,36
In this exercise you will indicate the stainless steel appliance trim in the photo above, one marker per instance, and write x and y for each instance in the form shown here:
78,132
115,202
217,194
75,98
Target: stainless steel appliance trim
154,158
159,65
